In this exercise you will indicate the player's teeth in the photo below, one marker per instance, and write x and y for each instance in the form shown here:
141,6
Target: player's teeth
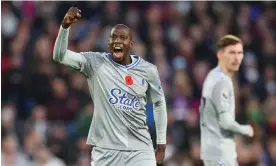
117,48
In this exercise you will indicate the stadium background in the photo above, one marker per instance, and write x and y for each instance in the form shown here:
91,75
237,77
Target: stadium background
46,109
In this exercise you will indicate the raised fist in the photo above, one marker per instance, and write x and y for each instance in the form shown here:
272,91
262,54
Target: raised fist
73,15
251,131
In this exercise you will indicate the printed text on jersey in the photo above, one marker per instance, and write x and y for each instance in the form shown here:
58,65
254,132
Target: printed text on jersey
122,100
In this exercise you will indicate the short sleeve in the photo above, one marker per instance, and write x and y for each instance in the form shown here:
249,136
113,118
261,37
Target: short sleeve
155,91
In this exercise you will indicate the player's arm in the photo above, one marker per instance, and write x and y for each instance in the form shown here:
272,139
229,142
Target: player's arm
156,96
222,100
61,54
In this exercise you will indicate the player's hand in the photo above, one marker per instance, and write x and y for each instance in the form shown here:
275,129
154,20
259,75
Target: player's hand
72,16
251,131
160,153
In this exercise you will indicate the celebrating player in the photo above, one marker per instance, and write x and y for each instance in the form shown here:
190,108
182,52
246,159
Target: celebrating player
120,85
217,108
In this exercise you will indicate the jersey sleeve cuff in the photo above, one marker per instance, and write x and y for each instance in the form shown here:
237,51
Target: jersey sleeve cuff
160,118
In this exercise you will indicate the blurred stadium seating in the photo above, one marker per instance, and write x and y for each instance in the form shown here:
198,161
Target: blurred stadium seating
47,110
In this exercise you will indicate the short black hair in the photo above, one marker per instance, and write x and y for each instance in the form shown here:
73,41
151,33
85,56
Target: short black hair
228,40
124,26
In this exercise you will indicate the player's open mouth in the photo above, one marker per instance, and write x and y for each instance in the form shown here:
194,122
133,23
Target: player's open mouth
118,52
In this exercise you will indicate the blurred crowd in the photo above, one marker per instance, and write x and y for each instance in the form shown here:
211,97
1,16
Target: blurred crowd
46,107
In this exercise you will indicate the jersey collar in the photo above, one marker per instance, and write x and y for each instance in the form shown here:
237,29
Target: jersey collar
135,60
218,69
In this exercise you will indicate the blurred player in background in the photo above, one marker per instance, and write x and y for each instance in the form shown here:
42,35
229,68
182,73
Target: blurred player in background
217,108
120,85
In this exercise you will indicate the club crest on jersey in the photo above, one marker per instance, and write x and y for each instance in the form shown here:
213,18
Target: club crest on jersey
143,81
122,101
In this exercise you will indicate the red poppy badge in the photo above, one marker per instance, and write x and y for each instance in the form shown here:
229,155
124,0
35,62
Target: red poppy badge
128,80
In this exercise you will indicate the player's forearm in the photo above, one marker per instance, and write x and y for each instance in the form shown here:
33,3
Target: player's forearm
227,122
62,54
61,44
160,118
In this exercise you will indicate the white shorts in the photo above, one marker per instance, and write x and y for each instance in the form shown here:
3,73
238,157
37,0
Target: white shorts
109,157
220,162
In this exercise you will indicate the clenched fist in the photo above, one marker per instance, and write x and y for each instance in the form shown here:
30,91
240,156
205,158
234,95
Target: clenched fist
250,131
73,15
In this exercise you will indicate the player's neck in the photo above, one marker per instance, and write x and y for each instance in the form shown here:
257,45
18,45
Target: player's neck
225,71
126,60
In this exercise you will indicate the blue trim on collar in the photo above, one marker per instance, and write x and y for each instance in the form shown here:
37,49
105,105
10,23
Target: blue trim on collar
135,60
218,69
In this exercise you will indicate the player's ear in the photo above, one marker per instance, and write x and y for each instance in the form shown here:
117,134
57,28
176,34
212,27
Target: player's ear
131,43
219,54
108,41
